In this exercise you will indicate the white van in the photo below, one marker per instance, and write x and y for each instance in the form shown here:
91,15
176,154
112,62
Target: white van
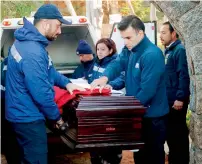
62,50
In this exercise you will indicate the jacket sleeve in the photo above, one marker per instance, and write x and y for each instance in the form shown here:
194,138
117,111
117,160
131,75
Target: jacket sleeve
183,75
153,68
115,68
118,83
59,79
35,70
78,72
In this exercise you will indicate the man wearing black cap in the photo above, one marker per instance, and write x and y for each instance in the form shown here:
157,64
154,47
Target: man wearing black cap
29,84
86,56
48,21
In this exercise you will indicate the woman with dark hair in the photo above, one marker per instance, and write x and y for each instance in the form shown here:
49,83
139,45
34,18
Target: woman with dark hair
106,53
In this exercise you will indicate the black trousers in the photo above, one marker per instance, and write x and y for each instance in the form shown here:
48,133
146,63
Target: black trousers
177,138
154,136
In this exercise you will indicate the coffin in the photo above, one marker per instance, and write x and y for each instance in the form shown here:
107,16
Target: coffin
100,122
104,121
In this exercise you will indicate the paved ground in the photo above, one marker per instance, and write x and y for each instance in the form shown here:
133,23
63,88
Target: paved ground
84,158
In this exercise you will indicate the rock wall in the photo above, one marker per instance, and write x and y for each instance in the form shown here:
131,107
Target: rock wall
186,17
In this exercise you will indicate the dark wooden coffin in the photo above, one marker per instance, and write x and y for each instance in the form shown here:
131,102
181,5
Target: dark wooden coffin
105,121
109,119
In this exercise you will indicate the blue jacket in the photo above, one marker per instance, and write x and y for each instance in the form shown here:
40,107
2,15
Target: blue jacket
84,70
30,78
177,74
100,66
145,76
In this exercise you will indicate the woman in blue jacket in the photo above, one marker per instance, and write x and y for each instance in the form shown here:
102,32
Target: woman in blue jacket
106,53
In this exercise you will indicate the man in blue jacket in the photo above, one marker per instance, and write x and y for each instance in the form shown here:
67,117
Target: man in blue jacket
29,83
144,67
177,84
86,56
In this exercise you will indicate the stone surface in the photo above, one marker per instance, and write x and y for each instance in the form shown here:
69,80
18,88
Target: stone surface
192,105
195,155
192,154
196,130
198,95
198,156
190,25
186,18
191,128
196,55
176,9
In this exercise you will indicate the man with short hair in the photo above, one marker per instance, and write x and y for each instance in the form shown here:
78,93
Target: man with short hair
143,63
87,59
30,79
178,93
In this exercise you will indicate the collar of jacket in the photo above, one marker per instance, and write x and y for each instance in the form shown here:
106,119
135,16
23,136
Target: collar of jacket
173,45
106,59
30,33
141,45
88,64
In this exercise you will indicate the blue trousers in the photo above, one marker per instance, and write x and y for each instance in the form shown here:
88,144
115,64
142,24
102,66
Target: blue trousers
154,132
32,140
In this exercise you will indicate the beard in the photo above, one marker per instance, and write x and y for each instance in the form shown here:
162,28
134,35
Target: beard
51,38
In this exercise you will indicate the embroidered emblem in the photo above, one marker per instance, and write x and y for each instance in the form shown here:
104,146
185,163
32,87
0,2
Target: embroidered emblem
137,65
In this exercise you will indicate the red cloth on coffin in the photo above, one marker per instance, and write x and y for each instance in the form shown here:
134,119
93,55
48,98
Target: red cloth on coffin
63,96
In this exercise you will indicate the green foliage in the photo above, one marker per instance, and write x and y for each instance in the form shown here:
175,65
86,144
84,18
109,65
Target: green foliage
17,9
188,117
79,7
141,9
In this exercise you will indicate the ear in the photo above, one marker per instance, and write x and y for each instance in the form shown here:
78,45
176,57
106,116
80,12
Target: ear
47,26
110,52
141,32
174,34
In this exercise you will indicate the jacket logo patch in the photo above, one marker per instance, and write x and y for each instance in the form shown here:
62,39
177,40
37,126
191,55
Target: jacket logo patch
49,62
137,65
123,73
98,69
5,68
2,88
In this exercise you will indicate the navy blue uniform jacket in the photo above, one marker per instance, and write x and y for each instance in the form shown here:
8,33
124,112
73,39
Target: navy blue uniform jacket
145,76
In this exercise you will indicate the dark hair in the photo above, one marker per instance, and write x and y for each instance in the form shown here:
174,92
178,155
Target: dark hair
36,21
132,21
171,29
109,43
